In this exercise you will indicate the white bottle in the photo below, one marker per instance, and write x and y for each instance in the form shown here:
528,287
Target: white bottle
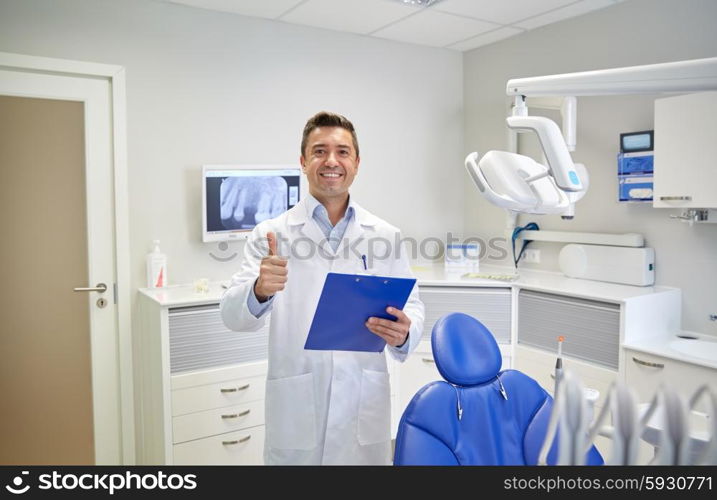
156,267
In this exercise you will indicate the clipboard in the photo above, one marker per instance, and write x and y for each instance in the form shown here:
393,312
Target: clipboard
347,301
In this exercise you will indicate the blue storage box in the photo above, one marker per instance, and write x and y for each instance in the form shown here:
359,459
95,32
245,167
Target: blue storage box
635,163
635,187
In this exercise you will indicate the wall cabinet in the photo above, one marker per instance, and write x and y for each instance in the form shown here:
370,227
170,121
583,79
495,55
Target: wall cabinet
685,151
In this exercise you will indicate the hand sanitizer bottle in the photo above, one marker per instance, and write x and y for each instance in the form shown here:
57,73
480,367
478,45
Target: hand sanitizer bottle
156,267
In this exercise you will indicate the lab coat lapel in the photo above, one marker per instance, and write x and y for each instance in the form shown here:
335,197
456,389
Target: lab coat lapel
299,216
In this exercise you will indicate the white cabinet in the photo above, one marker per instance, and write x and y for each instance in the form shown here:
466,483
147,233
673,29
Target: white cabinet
591,348
200,386
220,422
645,373
492,306
686,151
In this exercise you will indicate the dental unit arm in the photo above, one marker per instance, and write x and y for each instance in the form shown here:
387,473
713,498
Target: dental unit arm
521,185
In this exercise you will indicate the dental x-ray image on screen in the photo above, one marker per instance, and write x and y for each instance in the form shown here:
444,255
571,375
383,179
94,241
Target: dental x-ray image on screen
246,201
238,198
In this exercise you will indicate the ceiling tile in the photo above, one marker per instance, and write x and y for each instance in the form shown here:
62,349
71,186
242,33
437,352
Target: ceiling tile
362,16
255,8
499,11
434,28
573,10
486,38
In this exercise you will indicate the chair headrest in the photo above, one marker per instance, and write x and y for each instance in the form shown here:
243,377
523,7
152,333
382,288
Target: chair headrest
465,351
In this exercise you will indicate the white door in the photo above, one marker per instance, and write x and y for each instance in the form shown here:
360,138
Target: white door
43,377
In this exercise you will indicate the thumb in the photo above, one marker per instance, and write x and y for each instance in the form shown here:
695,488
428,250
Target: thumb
272,243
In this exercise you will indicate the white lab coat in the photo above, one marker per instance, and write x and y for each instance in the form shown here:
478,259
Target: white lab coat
322,407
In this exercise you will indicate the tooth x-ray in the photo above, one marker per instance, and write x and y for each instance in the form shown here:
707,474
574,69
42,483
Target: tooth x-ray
236,198
246,201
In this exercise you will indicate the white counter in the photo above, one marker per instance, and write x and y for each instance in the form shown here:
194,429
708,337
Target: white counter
665,347
544,281
653,335
184,295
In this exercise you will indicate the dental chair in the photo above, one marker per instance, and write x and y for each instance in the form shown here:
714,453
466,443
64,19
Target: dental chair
478,415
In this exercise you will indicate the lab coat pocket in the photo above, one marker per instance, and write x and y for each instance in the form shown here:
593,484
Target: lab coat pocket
291,413
374,419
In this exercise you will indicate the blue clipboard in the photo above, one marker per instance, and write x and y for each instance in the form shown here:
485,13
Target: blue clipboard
347,301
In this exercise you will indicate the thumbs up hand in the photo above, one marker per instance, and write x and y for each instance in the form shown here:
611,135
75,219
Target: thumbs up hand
272,272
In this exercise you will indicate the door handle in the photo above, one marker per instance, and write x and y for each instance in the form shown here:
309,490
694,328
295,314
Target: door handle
99,287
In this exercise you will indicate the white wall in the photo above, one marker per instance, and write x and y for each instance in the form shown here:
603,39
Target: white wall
630,33
209,87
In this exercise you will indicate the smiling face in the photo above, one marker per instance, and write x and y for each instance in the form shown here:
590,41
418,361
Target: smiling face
330,163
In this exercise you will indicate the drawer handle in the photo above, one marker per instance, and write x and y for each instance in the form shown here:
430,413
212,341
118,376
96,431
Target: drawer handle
237,441
676,198
237,415
235,389
648,363
428,360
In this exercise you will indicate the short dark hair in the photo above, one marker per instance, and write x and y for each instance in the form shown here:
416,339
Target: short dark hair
327,119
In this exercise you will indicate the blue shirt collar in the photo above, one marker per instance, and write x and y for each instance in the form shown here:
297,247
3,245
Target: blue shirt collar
316,209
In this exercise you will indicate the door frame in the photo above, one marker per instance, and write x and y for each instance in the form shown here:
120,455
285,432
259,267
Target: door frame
115,75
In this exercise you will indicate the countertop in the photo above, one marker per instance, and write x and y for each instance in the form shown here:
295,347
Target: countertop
546,281
665,348
437,275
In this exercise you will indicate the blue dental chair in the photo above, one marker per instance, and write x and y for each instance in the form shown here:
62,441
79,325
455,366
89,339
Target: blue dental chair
478,415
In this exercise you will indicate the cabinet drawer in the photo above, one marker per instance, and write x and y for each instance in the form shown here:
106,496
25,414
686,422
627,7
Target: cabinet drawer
217,395
491,306
592,328
540,365
198,339
244,447
686,378
218,421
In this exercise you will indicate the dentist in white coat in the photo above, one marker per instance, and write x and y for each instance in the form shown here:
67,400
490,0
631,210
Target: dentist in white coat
323,407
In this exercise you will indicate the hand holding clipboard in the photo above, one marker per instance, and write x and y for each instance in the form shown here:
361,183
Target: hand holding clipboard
341,321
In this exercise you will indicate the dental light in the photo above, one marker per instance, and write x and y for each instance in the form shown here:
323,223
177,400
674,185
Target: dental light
520,184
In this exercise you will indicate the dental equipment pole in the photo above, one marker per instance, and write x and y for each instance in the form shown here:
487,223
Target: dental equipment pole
559,361
556,411
627,427
674,444
709,456
573,422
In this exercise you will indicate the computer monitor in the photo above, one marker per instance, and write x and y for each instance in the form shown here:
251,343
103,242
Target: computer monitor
235,198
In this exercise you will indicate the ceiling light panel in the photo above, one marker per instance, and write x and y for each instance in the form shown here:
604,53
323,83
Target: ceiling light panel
254,8
362,16
500,11
434,28
486,38
574,10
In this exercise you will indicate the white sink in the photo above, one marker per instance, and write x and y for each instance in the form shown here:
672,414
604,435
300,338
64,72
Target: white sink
704,349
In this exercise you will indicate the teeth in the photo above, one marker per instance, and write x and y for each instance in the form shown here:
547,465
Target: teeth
330,175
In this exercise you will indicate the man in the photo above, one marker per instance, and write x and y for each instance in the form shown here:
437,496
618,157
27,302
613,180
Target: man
322,407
